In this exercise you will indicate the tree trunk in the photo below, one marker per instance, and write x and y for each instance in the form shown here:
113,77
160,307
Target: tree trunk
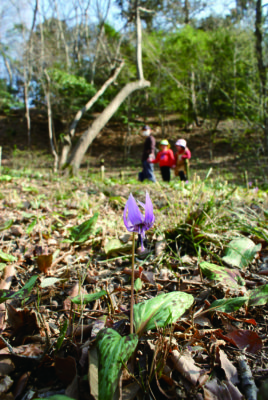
138,47
50,124
262,68
89,135
27,110
68,138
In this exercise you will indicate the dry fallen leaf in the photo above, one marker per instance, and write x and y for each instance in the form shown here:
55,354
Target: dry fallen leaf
184,363
5,284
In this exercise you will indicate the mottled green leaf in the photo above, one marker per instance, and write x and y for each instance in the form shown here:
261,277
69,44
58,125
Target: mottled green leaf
113,351
7,257
81,233
155,312
240,252
6,225
258,296
87,298
228,305
228,277
22,293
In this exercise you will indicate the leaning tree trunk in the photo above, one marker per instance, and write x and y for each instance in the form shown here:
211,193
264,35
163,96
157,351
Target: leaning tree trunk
89,135
68,138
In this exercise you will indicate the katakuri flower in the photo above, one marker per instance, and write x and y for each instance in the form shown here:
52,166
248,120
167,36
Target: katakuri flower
134,220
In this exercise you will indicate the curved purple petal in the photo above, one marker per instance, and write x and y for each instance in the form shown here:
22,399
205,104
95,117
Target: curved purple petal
149,213
134,217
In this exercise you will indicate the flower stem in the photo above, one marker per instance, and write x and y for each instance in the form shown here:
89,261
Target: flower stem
132,284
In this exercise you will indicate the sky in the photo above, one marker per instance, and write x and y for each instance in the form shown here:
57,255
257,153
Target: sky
18,11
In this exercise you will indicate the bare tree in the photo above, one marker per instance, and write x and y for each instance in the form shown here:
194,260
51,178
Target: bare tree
68,138
52,140
75,159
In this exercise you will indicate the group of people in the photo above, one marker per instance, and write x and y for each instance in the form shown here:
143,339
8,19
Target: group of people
165,157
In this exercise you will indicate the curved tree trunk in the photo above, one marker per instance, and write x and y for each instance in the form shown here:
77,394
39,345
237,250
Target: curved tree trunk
68,138
89,135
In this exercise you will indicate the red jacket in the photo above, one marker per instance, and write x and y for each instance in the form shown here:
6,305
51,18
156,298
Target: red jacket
164,158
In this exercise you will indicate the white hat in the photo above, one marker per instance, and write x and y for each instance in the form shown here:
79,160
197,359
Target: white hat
181,142
146,130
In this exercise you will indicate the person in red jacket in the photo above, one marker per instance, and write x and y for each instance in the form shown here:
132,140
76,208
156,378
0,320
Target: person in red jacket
182,156
166,160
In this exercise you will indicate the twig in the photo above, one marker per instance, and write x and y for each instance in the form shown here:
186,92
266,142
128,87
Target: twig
247,380
10,348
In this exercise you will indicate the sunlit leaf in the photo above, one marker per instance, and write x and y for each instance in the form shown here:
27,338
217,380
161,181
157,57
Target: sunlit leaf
229,277
240,252
81,233
22,293
49,282
2,266
87,298
7,257
228,305
113,351
5,178
44,262
30,227
138,284
114,247
258,296
156,311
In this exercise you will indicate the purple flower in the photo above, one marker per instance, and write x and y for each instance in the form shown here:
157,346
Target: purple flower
250,184
134,219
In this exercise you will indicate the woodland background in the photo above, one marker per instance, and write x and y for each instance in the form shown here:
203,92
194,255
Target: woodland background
64,63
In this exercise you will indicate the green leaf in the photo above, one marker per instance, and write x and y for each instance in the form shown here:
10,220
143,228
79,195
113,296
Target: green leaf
31,226
7,257
138,284
6,178
2,266
240,252
87,298
113,351
114,247
22,293
62,335
228,305
258,296
229,277
81,233
155,312
6,225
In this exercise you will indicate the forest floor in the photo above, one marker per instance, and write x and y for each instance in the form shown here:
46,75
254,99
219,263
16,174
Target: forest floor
200,286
